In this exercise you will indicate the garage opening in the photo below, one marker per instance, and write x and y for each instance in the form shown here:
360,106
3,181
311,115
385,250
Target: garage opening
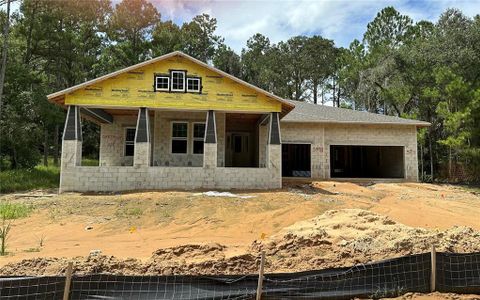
366,162
296,160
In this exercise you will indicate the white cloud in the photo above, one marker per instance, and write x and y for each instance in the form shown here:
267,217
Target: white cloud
340,20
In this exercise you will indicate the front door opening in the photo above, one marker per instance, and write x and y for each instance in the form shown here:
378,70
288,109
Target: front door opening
296,160
241,145
366,162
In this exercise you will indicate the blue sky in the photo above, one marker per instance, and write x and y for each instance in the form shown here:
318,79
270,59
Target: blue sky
339,20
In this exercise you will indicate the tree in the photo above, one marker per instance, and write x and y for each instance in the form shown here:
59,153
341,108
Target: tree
131,23
199,39
227,60
166,38
389,30
321,56
6,27
254,60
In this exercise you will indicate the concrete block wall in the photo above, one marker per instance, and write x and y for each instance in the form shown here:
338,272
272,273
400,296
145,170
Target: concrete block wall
162,132
263,131
307,133
210,156
112,141
220,119
379,135
142,154
118,178
71,153
322,136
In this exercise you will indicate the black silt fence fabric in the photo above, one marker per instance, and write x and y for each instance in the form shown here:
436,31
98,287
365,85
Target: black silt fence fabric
382,279
50,287
163,287
458,273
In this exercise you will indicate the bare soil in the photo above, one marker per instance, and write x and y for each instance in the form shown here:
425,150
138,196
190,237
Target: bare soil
303,226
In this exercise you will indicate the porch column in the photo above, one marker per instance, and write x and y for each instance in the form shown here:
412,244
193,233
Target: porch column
275,146
210,142
72,138
142,154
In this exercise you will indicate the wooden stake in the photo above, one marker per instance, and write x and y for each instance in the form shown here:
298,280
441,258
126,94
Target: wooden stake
68,281
260,276
433,275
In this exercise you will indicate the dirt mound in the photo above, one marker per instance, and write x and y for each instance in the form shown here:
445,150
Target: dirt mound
351,236
336,238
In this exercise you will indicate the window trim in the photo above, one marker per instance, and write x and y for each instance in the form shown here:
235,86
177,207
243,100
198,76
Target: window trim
125,141
168,84
199,84
178,138
183,90
194,139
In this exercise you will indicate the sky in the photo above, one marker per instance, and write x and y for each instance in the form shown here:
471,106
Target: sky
339,20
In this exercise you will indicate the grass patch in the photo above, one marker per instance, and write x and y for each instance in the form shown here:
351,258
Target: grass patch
129,212
89,162
40,177
12,211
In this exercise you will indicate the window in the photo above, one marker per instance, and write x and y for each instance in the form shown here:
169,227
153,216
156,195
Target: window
178,81
162,83
179,137
198,137
193,85
129,141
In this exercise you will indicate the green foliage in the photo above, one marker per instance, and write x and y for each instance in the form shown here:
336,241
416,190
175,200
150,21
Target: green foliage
12,211
40,177
9,212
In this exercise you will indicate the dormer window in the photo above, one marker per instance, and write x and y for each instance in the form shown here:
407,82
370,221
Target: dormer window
178,81
193,85
162,83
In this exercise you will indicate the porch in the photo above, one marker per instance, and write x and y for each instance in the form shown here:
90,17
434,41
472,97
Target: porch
161,149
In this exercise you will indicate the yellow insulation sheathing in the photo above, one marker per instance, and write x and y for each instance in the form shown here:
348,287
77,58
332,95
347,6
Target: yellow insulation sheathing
136,89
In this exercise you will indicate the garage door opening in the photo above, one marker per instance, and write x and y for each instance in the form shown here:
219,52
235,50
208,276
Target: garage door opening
366,162
296,160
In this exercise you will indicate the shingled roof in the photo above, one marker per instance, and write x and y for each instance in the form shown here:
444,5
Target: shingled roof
305,112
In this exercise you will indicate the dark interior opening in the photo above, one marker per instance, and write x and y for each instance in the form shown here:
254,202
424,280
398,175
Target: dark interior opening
296,160
366,162
241,145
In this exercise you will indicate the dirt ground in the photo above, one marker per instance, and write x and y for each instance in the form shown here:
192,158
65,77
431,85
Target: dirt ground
190,232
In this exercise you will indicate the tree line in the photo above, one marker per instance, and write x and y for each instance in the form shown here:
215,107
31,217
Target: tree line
424,70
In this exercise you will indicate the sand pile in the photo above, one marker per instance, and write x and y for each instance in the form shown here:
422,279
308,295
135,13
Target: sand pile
336,238
351,236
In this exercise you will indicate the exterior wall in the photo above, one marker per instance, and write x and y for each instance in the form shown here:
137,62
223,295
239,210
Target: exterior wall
263,132
220,124
321,136
307,133
162,133
118,178
112,141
